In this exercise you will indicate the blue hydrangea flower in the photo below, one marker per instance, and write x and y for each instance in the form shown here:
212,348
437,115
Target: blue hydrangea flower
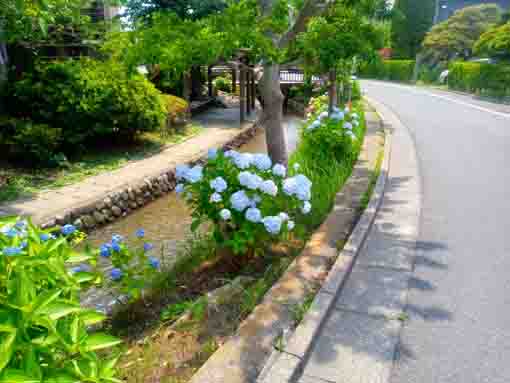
194,174
117,238
347,110
116,247
231,154
179,188
355,123
323,115
68,229
116,274
290,186
336,109
273,225
290,225
148,246
44,237
307,207
304,187
23,244
296,167
284,216
279,170
215,198
10,251
20,225
219,184
314,125
262,161
269,187
154,262
355,116
181,171
239,200
348,126
10,232
225,214
105,250
255,200
212,153
249,180
339,116
243,160
352,135
253,215
140,233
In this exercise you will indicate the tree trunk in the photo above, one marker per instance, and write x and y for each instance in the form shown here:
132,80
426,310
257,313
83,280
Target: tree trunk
272,113
4,60
417,65
186,86
196,82
333,96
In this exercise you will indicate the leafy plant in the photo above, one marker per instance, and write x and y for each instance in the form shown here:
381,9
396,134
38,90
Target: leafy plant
44,333
223,83
248,200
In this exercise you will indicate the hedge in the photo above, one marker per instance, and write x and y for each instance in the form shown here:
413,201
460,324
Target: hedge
486,79
393,70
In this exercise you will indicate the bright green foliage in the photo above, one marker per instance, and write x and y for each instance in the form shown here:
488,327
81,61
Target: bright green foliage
394,70
28,20
335,38
327,172
411,20
223,83
488,79
456,36
83,100
495,42
43,328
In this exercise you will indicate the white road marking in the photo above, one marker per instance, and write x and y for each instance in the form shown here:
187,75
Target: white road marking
480,108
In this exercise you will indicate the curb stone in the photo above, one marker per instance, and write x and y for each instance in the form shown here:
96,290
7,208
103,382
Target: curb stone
284,366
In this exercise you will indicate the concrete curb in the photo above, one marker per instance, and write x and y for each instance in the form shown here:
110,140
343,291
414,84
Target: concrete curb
284,366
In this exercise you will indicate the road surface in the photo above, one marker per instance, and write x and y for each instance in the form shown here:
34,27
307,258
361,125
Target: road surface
458,330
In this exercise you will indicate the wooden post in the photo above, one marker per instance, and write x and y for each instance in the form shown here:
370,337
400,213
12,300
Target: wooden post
248,92
234,79
242,94
253,90
209,81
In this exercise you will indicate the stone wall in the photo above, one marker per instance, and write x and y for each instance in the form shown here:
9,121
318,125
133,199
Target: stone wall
131,197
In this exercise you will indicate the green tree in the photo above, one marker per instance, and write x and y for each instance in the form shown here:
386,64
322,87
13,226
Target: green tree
495,42
456,36
411,19
185,9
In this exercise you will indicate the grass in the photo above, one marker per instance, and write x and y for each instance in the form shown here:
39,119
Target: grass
365,199
299,310
18,182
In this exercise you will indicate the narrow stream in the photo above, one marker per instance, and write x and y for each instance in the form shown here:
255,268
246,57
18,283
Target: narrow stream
167,219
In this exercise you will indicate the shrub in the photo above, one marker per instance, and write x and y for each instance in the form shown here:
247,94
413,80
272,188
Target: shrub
249,201
44,332
223,83
326,153
87,99
28,142
177,109
393,70
488,79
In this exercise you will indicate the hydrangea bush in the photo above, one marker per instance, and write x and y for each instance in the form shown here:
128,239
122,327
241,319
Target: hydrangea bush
44,333
249,200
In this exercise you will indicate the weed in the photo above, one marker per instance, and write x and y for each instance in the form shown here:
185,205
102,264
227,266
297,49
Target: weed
299,310
365,199
174,311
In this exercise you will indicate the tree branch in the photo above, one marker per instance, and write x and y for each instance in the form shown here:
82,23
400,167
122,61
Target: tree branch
310,8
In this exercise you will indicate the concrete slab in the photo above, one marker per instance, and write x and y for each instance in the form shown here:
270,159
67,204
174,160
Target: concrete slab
354,348
311,379
281,370
375,291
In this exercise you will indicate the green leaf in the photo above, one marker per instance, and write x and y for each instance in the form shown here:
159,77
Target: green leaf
90,317
7,348
99,341
74,331
108,367
17,376
44,300
83,277
31,363
78,258
62,378
195,224
58,310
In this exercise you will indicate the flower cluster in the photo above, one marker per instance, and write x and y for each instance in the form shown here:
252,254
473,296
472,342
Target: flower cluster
248,198
343,117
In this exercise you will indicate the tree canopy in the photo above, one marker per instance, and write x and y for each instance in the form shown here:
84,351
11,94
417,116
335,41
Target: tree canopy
457,35
495,42
184,9
411,19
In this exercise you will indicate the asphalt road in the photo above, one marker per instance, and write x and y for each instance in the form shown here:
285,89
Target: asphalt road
458,330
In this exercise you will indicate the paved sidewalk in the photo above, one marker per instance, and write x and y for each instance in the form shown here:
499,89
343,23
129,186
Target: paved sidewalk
358,340
221,126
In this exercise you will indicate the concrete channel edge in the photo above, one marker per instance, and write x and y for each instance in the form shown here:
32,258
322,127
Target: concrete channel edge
284,365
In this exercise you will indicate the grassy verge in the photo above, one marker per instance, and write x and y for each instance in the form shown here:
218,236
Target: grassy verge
365,199
22,182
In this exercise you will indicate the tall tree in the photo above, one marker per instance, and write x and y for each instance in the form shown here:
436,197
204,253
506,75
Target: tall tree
185,9
495,42
411,19
456,36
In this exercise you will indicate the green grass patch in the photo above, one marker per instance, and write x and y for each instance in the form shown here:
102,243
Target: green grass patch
18,182
365,199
